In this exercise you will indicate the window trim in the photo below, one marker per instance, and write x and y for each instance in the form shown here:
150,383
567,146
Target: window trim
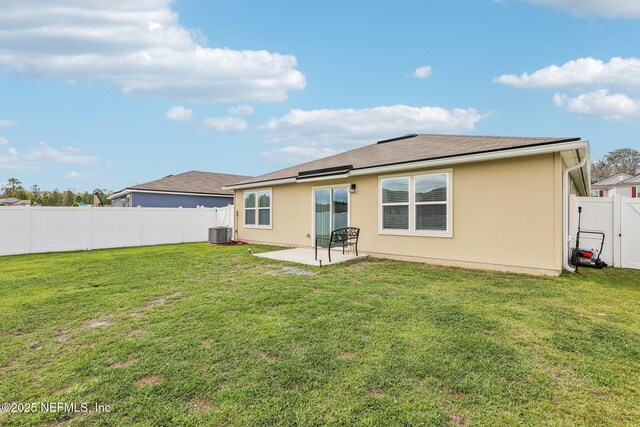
257,208
412,231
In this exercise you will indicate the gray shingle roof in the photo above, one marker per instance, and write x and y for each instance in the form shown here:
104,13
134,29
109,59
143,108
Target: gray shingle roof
612,180
192,182
410,149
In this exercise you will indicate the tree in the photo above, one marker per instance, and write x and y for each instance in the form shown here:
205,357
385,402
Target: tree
12,187
625,160
600,170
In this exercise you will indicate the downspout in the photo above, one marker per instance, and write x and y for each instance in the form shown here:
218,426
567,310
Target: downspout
566,238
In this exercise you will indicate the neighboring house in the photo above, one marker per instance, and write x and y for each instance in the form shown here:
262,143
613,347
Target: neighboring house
187,190
472,201
621,184
12,201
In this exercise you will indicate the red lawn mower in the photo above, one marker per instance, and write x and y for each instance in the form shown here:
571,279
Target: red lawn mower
584,257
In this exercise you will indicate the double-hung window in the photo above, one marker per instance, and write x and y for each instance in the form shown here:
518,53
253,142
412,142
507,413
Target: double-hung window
257,208
417,204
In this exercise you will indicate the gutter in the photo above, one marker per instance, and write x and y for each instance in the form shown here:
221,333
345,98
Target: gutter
566,238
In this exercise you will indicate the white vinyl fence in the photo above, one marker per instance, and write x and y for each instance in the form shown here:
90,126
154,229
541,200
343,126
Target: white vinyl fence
619,218
26,229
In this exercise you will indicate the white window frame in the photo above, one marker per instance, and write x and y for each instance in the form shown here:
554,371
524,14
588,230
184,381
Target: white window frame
257,208
412,231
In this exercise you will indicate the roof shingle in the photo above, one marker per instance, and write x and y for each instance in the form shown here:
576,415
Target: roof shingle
412,148
192,182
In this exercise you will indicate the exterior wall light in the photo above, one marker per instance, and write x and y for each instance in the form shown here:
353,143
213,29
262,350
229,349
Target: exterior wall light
352,188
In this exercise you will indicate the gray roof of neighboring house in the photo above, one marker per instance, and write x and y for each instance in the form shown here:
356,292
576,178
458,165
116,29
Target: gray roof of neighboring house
191,182
12,201
411,148
612,180
635,180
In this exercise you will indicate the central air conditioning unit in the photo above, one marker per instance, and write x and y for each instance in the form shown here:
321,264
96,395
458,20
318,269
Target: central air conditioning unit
219,235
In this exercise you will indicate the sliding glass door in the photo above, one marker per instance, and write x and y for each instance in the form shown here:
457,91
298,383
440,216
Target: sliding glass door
331,210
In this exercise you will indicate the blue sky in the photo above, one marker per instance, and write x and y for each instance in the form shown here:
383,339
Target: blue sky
113,93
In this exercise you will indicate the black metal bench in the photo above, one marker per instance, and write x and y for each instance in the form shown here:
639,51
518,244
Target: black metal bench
342,237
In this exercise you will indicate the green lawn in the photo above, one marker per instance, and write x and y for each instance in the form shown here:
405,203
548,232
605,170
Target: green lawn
206,335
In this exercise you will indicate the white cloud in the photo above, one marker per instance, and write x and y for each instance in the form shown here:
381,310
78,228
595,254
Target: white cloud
363,126
179,114
422,72
43,155
298,154
4,123
605,8
241,110
594,79
580,73
138,46
601,103
223,124
73,175
3,140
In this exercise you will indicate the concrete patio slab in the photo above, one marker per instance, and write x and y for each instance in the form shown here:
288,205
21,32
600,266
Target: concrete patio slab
306,256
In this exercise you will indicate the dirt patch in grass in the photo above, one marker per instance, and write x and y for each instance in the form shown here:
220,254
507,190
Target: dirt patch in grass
361,264
347,356
269,358
200,404
458,420
155,303
206,343
95,323
161,301
293,271
9,365
137,333
62,335
122,364
375,392
301,348
146,381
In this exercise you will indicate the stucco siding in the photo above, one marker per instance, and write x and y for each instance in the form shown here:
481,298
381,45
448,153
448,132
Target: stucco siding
507,215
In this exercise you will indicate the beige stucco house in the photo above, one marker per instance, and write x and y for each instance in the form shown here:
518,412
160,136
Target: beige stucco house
484,202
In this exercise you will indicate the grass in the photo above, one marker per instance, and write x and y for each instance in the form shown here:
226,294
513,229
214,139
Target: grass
204,335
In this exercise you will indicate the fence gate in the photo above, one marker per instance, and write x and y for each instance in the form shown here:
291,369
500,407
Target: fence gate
619,218
630,233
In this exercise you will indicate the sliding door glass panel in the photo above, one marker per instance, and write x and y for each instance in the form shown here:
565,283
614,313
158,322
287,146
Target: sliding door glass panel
323,214
340,208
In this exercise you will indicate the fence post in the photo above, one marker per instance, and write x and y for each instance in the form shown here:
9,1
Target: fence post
89,225
617,230
27,229
139,227
180,224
